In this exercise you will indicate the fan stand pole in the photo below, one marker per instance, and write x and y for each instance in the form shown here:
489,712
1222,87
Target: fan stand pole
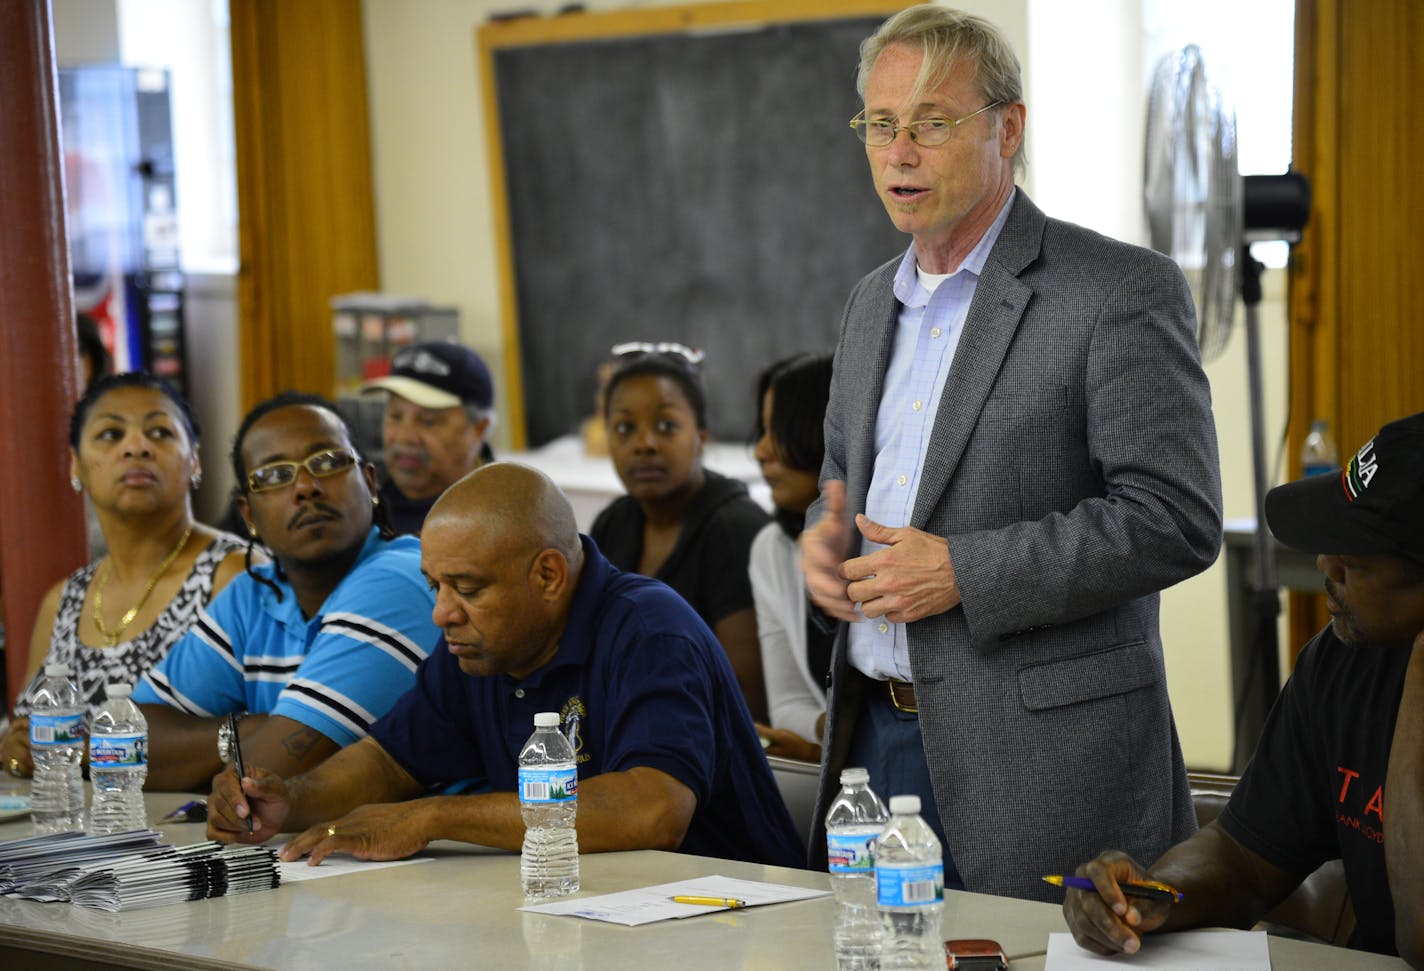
1266,607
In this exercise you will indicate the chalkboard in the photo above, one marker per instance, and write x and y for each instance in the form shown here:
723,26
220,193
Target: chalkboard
700,187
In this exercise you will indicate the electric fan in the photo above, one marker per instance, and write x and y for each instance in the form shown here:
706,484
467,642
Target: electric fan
1191,190
1205,216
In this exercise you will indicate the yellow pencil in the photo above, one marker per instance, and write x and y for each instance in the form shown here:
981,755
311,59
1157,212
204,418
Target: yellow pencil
731,902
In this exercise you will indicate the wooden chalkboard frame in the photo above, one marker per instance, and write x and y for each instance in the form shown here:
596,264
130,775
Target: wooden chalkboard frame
533,31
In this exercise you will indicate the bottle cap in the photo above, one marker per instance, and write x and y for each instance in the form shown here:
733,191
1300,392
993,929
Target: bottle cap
546,719
904,805
118,690
57,670
854,777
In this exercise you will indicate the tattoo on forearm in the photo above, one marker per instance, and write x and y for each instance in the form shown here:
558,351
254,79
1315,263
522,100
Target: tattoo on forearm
300,742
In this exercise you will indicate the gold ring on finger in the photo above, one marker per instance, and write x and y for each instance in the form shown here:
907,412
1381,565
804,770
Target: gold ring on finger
15,767
331,831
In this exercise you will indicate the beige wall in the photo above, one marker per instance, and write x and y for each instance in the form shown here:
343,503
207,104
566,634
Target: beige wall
436,241
1194,624
85,32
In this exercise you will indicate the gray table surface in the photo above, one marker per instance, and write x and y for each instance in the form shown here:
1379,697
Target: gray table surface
461,909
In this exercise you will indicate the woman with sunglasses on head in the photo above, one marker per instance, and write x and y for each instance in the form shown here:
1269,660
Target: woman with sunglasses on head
680,523
795,653
134,451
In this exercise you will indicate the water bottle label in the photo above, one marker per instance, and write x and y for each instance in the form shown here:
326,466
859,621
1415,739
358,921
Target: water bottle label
118,751
56,729
850,852
539,784
909,886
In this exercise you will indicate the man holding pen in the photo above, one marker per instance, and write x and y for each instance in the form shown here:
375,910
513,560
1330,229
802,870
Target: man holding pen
1339,771
535,619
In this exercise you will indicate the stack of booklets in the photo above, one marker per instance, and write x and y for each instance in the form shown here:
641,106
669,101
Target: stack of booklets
126,871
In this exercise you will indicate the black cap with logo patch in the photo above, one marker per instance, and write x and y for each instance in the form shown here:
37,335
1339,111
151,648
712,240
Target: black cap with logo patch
1375,504
438,374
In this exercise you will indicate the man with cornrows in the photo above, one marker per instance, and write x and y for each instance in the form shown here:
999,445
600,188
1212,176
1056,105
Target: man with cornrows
310,649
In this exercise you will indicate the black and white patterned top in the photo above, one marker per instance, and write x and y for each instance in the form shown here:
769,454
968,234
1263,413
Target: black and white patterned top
128,661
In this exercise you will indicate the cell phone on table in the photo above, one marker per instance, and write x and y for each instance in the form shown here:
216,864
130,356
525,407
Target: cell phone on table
975,954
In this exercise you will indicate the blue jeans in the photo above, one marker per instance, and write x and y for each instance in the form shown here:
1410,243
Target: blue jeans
887,743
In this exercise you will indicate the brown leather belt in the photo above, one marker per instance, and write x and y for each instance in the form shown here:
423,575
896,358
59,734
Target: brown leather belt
902,695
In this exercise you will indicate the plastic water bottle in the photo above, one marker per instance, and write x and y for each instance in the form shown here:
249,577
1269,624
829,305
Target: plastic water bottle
1318,455
854,820
118,764
57,745
909,882
548,797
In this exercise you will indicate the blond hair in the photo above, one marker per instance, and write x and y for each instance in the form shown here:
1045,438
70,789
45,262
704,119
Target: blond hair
946,35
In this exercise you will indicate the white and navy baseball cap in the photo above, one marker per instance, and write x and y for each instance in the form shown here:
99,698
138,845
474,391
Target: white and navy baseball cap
1375,504
438,374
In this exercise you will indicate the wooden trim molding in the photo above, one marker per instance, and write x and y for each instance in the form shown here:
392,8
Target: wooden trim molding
1356,323
306,216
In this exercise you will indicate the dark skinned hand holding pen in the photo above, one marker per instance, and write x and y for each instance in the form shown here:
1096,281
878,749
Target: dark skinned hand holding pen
248,809
384,831
1108,922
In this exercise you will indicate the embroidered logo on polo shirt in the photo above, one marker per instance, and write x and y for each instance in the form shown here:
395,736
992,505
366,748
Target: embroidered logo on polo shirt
571,716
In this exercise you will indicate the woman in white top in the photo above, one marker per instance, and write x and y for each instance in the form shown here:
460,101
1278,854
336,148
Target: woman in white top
795,654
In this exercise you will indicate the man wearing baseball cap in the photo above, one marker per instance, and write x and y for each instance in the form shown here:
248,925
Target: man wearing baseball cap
439,409
1339,770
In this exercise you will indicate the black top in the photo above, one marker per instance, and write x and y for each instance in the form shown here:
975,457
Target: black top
1314,790
408,515
708,564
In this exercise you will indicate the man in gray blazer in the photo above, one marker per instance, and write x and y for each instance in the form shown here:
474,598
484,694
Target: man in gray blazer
1020,454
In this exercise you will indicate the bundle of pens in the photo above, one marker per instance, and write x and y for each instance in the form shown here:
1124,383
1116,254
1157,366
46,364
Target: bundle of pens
126,871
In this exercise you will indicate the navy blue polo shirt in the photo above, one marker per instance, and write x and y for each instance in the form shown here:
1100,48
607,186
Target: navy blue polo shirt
638,680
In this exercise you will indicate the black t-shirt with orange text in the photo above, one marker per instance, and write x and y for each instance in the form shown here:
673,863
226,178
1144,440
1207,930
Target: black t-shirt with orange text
1314,790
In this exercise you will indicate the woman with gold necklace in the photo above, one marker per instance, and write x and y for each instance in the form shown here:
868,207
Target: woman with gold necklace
134,449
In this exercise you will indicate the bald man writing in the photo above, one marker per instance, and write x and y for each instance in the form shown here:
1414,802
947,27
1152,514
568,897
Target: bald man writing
535,619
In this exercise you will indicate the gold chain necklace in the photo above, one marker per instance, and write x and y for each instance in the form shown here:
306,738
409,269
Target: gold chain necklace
112,636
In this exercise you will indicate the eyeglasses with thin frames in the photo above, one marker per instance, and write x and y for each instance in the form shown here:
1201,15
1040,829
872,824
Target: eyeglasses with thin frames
693,356
322,464
929,132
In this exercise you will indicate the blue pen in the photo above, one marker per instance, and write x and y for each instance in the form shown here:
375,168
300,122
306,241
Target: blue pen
1146,889
192,811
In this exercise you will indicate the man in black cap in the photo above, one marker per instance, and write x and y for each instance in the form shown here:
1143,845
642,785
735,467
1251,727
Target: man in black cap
439,410
1339,770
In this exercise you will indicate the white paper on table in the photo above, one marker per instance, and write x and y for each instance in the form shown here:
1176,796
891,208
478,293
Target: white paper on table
338,865
1181,951
648,904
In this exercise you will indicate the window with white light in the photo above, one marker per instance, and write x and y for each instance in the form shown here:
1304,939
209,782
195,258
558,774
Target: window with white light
1090,65
190,39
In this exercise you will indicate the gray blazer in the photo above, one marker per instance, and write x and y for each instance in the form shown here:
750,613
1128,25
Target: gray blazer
1073,468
